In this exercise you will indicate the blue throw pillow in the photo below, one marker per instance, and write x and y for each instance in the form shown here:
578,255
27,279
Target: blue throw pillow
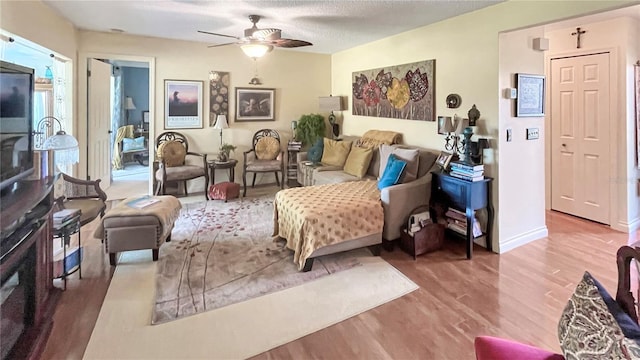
392,172
630,328
315,152
133,144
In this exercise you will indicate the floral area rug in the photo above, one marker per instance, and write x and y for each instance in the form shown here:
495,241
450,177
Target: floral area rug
224,253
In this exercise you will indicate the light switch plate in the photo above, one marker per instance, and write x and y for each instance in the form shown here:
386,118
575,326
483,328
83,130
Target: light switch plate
533,133
509,135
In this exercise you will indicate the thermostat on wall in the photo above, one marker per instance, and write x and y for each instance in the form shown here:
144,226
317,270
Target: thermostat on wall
510,93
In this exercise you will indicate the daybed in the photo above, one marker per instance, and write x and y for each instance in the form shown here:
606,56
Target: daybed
397,200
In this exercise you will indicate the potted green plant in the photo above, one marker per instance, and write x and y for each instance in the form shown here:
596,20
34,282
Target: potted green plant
225,149
310,128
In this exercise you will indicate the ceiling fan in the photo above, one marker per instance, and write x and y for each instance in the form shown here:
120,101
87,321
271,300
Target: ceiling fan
257,42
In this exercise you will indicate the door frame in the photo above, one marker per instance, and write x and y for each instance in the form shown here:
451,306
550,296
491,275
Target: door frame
83,131
616,132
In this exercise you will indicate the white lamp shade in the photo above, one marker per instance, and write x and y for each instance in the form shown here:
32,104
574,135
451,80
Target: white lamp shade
221,122
65,148
448,125
330,103
460,125
255,50
128,103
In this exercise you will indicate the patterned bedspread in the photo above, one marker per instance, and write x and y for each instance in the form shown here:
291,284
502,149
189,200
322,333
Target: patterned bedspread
311,217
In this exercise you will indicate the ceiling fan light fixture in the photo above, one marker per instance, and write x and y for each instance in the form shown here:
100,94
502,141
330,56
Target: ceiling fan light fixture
256,50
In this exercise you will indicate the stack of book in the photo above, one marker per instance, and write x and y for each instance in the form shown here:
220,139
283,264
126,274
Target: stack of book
457,221
63,216
466,171
294,145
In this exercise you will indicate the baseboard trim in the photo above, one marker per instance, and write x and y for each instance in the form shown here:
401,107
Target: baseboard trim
522,239
628,227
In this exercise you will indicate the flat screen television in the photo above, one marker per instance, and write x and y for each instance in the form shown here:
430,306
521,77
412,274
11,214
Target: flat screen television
16,123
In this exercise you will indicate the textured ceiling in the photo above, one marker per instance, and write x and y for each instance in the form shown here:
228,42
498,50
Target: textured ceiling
331,26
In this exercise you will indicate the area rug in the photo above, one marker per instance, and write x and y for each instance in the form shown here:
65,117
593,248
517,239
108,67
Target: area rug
224,253
237,331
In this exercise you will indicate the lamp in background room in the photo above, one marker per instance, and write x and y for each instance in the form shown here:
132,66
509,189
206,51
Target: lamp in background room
128,106
332,103
64,146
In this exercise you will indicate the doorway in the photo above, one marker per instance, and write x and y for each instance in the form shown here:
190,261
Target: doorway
580,136
132,107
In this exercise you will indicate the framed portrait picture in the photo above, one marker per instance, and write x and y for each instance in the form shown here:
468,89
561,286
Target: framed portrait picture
183,104
255,104
530,98
444,159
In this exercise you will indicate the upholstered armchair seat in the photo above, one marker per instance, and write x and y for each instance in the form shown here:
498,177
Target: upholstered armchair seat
264,165
84,195
181,173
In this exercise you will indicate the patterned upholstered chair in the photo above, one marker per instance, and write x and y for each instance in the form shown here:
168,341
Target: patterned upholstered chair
264,156
172,150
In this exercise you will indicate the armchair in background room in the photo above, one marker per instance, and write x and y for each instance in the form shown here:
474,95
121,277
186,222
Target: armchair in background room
127,144
172,150
264,156
85,195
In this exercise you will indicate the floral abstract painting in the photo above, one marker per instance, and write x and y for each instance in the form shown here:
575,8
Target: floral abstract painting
401,91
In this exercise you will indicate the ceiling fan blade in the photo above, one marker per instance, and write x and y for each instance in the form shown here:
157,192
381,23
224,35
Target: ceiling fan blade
216,34
290,43
225,44
267,34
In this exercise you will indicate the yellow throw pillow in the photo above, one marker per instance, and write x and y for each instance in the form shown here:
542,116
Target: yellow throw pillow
172,152
358,161
267,148
335,152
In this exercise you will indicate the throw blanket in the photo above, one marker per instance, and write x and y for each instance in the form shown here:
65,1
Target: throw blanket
373,138
167,211
315,216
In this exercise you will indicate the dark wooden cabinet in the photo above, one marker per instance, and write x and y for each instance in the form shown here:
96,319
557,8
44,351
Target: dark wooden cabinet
466,196
27,253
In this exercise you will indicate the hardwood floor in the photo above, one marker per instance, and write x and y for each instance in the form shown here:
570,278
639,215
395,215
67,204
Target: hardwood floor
517,295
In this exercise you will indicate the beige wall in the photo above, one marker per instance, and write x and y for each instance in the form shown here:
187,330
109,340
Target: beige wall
618,36
299,79
466,49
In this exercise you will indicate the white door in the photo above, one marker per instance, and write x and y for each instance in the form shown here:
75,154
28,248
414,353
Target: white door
580,126
99,122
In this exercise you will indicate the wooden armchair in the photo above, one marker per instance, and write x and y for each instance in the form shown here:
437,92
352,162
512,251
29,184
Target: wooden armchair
85,195
265,155
172,149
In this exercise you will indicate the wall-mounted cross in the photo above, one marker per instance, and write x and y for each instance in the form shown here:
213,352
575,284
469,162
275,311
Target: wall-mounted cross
578,32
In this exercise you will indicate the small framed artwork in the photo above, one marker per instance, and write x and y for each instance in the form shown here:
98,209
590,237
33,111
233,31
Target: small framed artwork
145,120
530,100
183,104
255,104
444,159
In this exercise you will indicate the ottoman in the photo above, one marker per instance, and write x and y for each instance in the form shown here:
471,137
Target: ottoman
125,227
224,191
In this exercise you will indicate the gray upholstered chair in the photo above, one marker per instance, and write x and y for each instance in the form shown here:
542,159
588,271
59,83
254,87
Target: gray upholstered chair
172,149
264,156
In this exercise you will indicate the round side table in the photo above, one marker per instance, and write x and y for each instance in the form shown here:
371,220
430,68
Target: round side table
215,164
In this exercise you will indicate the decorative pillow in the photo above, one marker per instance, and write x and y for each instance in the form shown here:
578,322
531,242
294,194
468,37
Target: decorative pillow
588,330
411,156
133,144
172,152
267,148
358,161
314,154
392,172
335,152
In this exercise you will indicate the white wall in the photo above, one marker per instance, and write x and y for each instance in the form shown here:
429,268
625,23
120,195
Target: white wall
521,161
620,37
467,63
299,79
